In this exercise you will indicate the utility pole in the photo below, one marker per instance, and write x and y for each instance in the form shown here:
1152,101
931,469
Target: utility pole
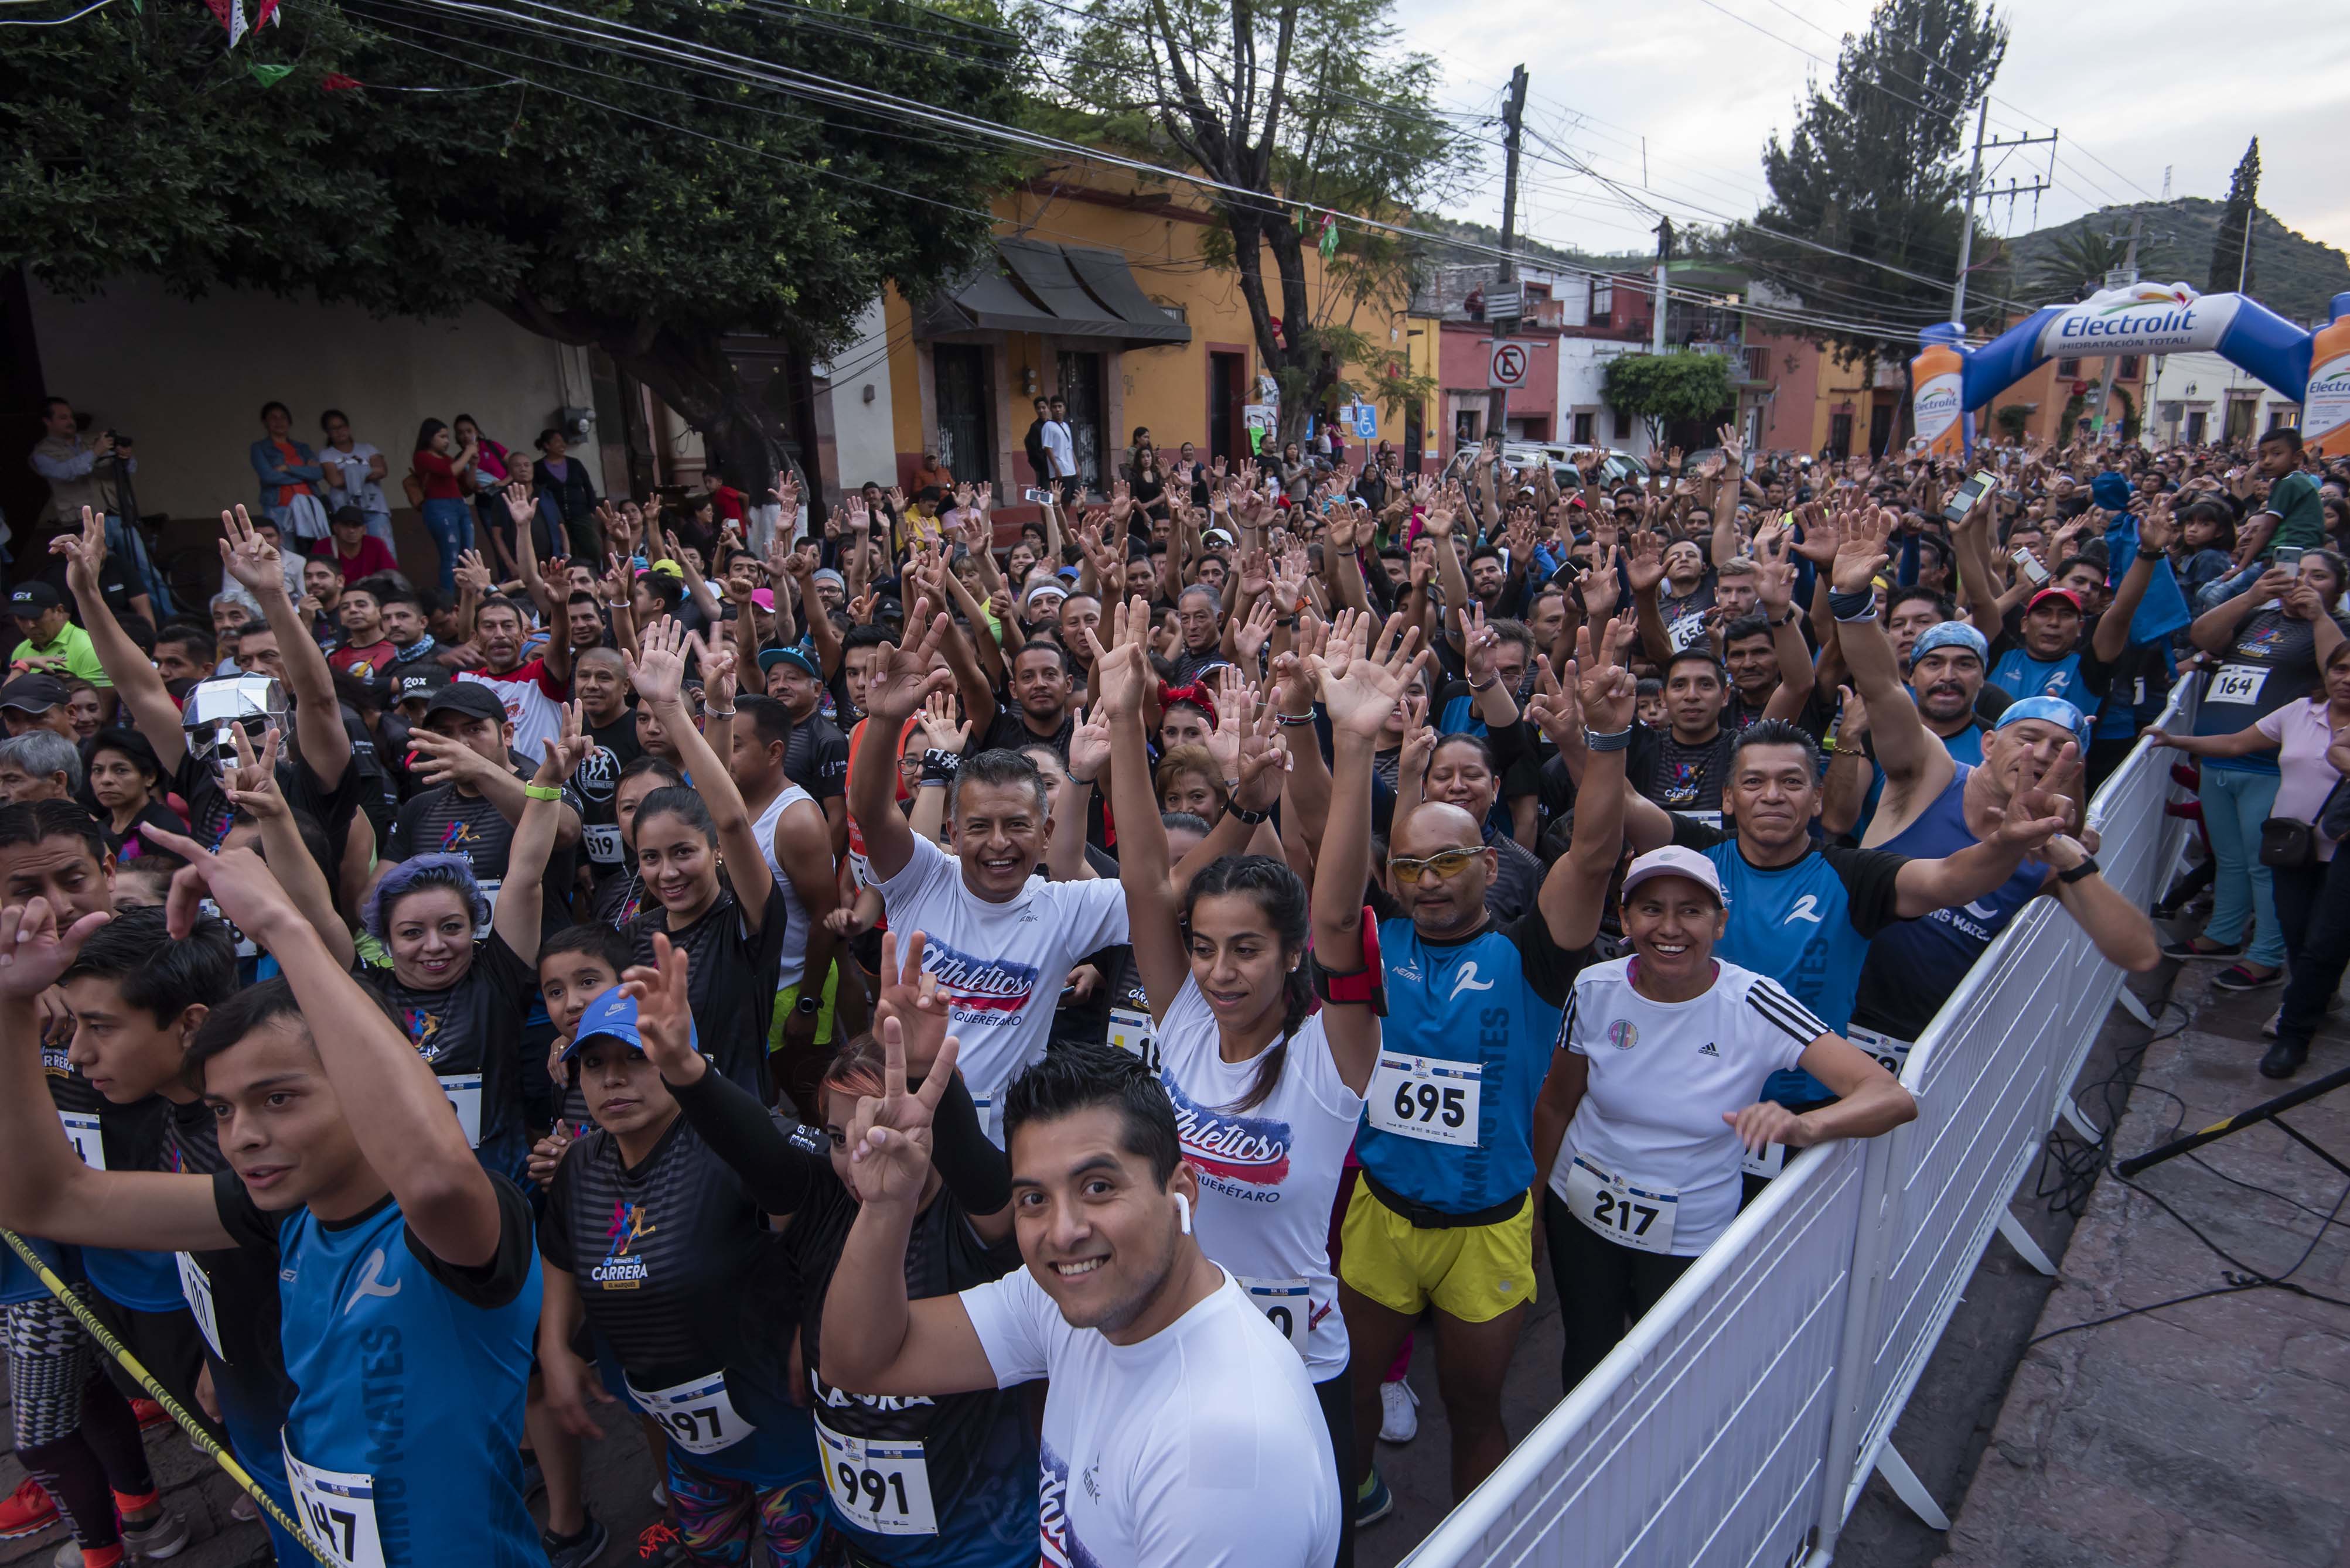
2129,275
1975,189
1664,255
1513,119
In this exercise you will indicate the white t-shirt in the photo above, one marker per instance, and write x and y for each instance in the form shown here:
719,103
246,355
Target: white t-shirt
1268,1175
1662,1073
1202,1447
360,492
1060,449
533,702
1000,966
795,914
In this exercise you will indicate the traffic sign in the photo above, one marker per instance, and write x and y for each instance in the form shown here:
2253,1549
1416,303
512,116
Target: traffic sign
1366,421
1509,364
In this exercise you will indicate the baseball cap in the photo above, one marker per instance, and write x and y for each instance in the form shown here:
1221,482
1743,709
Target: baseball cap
411,681
765,598
1950,634
615,1015
2067,594
32,693
1677,860
470,698
795,656
32,598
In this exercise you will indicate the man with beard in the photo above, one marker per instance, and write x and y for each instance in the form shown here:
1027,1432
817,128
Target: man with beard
602,682
1042,707
818,757
531,692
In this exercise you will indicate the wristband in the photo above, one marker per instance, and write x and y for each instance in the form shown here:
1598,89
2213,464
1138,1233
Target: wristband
1251,818
1490,684
2145,555
1592,741
1292,719
2087,867
1853,607
718,713
542,791
1366,986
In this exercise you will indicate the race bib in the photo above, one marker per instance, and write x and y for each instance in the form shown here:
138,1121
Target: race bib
464,1093
603,843
697,1415
82,1131
1890,1053
2237,683
246,945
1636,1217
1130,1031
1288,1305
490,891
990,1124
1689,631
197,1287
1766,1165
336,1510
1433,1101
880,1484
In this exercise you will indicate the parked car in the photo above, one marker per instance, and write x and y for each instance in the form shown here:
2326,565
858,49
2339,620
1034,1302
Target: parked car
1615,467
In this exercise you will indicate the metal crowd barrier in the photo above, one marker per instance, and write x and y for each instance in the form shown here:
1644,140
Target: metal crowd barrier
1739,1420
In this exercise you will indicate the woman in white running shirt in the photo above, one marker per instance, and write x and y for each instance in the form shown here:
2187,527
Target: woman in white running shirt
1643,1121
1267,1091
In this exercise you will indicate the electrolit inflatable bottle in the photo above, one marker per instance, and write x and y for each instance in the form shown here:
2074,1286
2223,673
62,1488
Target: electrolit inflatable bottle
2325,411
1939,374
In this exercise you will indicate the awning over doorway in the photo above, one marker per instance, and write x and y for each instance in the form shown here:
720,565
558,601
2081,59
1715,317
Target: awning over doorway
1064,291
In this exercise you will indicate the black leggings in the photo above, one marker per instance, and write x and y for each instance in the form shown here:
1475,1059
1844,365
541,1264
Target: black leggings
1336,1397
1603,1288
102,1455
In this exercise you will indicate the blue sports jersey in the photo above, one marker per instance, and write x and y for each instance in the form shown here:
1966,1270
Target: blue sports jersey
1482,1012
1965,749
1913,965
2018,675
1800,924
402,1442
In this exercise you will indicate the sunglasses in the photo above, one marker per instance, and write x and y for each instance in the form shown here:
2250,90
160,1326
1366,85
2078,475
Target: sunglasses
1444,867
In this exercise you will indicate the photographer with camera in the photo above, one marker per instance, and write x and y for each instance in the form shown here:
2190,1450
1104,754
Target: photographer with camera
95,471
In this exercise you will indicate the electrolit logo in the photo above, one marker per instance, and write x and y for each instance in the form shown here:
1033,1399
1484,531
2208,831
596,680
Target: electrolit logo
2327,406
2143,317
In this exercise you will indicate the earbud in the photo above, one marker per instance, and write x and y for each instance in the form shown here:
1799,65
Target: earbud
1183,1211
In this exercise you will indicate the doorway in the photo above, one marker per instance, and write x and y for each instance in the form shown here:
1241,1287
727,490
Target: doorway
966,428
1081,389
1225,396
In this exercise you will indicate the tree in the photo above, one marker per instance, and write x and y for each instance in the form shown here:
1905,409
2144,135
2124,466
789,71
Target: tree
2076,265
1873,169
1664,389
2231,261
1283,105
587,192
2012,419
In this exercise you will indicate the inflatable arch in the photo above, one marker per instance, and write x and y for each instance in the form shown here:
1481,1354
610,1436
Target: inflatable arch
1951,380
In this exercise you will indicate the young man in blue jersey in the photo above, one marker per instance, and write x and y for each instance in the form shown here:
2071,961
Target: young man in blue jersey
408,1285
1935,804
1440,1217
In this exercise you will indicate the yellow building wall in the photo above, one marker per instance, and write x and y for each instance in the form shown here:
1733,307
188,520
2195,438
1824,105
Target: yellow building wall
1165,387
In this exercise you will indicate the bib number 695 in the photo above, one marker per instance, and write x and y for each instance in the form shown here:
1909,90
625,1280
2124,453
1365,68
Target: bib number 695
1429,1102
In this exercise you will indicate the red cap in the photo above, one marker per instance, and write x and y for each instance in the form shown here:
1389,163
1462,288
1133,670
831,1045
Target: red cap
2067,594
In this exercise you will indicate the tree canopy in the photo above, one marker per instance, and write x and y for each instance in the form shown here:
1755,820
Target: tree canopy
1281,104
1873,169
2232,245
409,157
1664,389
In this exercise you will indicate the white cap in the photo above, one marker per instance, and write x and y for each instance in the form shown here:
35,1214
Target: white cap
1675,860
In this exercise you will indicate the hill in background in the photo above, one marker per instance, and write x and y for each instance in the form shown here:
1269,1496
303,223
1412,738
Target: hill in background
2292,275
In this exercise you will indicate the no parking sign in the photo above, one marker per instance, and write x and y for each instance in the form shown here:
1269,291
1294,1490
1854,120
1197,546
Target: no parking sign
1509,364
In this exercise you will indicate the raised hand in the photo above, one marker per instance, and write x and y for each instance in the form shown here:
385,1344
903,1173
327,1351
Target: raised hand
1359,688
567,750
472,572
252,785
665,1012
2035,815
911,995
85,554
658,670
1089,745
942,730
1478,643
1604,688
889,1139
34,951
1556,708
248,558
1249,637
519,504
906,677
1644,562
246,890
1861,550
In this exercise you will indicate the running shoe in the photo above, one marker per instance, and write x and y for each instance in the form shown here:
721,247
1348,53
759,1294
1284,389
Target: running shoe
27,1511
660,1543
151,1415
1399,1412
1373,1502
162,1536
245,1511
2194,949
2285,1058
2239,977
579,1550
660,1495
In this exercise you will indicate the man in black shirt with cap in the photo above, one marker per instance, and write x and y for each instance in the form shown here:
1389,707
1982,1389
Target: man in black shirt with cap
36,701
473,796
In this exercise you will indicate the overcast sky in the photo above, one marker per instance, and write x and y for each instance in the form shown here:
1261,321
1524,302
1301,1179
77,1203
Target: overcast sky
2135,88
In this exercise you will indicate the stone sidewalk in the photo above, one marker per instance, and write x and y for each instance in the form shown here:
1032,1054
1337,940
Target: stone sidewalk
2214,1433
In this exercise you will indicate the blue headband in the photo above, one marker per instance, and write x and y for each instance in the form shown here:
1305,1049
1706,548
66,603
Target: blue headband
2049,710
1950,634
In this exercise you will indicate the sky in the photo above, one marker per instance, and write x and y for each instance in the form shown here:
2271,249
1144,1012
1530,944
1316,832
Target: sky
1705,89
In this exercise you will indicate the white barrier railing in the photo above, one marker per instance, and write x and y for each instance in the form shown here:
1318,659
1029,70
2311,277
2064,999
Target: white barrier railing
1738,1421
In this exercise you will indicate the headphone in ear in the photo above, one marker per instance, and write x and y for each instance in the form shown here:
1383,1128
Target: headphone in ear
1183,1211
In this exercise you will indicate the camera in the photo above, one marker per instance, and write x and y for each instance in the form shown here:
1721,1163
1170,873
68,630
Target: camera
118,438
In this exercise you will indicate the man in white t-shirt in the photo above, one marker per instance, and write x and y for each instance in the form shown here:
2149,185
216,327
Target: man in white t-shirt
1061,452
1180,1427
1000,939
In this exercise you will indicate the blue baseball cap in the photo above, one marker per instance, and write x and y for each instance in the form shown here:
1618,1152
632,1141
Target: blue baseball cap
796,656
2111,490
2049,709
1950,634
612,1015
